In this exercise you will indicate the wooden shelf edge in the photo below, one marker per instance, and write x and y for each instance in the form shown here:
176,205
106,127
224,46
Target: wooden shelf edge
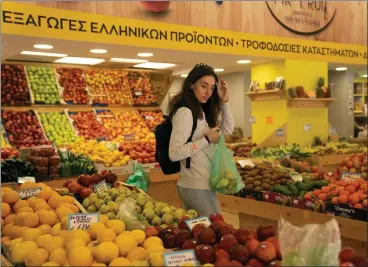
266,95
310,102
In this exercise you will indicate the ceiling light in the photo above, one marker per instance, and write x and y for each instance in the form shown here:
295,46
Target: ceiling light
243,61
80,60
145,54
364,75
35,53
218,70
43,46
98,51
184,75
341,68
128,60
154,65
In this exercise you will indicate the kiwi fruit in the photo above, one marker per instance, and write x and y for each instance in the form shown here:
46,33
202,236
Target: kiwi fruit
257,183
258,177
249,186
274,178
253,173
247,168
258,189
272,183
249,180
266,186
267,181
265,172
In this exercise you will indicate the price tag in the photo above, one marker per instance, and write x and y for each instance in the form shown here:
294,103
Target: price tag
149,118
200,220
350,177
178,258
252,120
30,192
269,120
307,127
246,162
280,132
101,187
138,93
22,180
332,131
296,177
129,137
82,221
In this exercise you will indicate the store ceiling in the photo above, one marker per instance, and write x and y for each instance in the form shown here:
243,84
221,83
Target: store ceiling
12,45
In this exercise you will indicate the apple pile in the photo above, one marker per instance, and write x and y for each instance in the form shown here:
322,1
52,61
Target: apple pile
57,128
142,151
222,245
152,118
349,258
14,87
74,84
87,125
23,128
117,88
9,152
355,164
98,100
142,92
43,85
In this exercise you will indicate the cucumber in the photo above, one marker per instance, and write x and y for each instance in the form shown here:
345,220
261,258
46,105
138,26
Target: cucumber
320,184
293,189
285,192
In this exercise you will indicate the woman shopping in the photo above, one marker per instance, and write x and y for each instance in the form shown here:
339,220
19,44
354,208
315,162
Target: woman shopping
203,103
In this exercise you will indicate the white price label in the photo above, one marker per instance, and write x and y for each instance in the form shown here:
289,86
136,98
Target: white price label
82,221
178,258
30,192
307,127
138,93
101,187
149,118
129,137
200,220
280,132
22,180
350,177
246,162
296,177
252,120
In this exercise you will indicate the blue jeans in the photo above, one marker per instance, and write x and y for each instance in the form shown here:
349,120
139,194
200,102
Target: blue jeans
205,202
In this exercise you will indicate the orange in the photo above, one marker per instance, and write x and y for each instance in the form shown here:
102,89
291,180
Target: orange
5,209
42,206
20,204
335,200
350,189
7,229
68,199
343,199
325,189
48,217
11,197
45,195
362,196
54,201
358,206
10,218
24,209
354,199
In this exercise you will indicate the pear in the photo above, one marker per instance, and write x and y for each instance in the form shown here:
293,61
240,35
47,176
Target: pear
156,220
93,198
165,210
149,214
99,203
168,218
141,201
137,209
158,210
107,199
91,209
86,203
192,213
92,195
110,215
173,208
149,205
179,214
115,195
104,209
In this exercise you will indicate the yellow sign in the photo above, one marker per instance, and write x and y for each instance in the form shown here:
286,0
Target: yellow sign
32,20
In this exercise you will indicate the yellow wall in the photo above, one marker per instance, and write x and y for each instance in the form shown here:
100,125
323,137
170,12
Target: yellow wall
261,110
305,73
267,72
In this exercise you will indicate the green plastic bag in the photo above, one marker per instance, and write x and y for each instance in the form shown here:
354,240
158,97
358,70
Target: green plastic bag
139,178
225,177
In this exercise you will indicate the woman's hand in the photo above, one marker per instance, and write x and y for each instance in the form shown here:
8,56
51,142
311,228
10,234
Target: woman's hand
213,135
222,91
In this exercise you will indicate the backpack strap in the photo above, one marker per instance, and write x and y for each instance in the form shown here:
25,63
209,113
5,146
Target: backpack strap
194,127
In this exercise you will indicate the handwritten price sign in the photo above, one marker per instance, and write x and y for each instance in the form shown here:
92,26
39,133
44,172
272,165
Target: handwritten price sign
30,192
101,187
178,258
200,220
82,221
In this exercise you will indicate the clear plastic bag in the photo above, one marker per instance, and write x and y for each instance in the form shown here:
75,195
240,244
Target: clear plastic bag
225,177
139,178
310,245
128,213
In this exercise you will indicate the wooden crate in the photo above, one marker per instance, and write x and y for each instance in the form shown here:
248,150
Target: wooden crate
329,163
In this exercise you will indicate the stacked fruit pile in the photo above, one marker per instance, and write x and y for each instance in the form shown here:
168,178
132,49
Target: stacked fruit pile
117,88
74,85
23,128
14,86
141,88
96,86
242,149
100,152
143,152
133,127
355,164
281,151
9,152
335,148
87,125
43,85
45,160
152,118
57,128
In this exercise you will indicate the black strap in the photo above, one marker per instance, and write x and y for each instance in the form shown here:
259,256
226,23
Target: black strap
194,127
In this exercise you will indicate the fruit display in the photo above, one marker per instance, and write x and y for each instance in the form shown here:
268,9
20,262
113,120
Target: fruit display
142,151
11,169
277,152
57,128
98,100
73,165
23,128
117,89
243,148
87,125
9,152
301,167
43,85
100,152
335,148
235,137
343,192
355,164
45,160
96,81
141,89
14,86
152,118
133,127
74,86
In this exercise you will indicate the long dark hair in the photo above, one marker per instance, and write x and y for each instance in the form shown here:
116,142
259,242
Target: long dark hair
187,98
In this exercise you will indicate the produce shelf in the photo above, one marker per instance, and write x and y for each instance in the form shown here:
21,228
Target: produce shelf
310,102
60,108
266,95
252,213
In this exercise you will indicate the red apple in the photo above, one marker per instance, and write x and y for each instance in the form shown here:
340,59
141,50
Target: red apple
265,231
216,217
85,192
347,254
243,235
239,253
189,244
205,254
207,236
181,237
151,231
265,252
221,257
227,242
276,244
197,229
254,263
252,246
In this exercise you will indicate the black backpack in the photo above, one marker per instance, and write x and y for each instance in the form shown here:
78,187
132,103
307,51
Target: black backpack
163,135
